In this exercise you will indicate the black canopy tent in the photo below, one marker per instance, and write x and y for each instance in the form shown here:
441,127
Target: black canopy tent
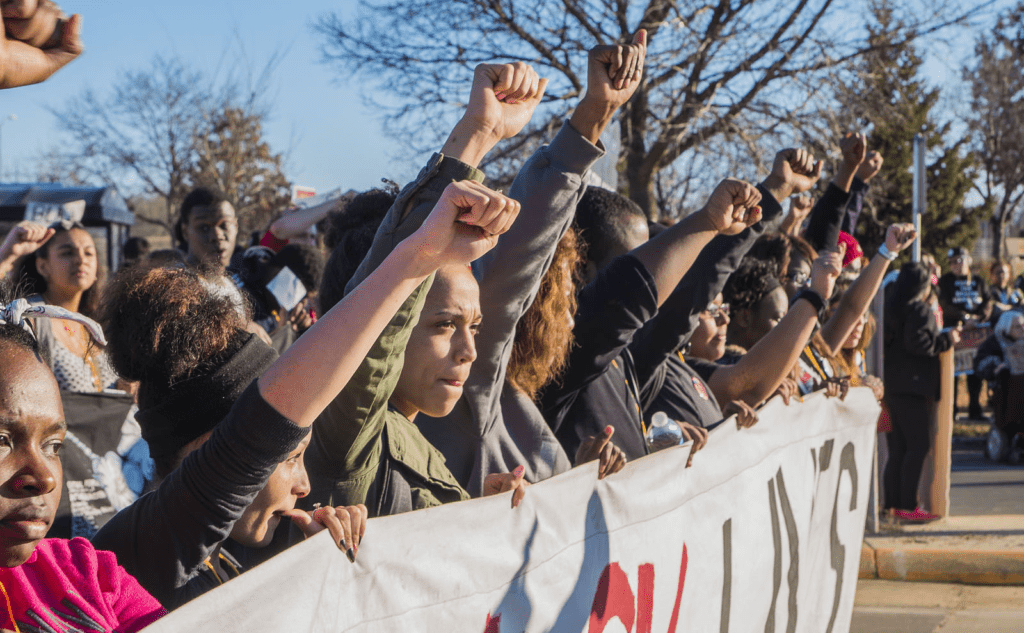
107,217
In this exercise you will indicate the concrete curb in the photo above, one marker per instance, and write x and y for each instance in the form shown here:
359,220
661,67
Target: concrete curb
977,567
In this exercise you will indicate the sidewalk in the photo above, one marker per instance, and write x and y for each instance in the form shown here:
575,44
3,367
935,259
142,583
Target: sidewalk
987,550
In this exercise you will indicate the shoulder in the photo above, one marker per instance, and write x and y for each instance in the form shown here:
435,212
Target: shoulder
76,558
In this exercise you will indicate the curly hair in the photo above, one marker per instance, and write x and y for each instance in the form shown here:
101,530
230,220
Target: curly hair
543,338
165,325
603,219
31,282
351,233
749,284
304,261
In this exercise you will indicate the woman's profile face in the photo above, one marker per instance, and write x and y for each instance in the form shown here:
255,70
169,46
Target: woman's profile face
708,341
287,484
441,347
69,262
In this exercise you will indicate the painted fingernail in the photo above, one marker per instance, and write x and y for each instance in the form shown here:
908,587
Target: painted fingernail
519,471
608,430
351,555
344,543
500,95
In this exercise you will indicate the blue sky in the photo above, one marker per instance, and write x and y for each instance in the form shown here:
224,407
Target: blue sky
330,137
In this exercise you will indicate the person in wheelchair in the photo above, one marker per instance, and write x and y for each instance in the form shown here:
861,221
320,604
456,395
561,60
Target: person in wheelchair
1000,361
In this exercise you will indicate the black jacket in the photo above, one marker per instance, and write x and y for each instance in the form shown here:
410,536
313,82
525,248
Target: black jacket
912,349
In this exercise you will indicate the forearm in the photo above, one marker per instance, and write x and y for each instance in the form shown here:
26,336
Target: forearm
844,177
670,255
591,118
855,301
760,371
298,222
308,376
827,218
469,143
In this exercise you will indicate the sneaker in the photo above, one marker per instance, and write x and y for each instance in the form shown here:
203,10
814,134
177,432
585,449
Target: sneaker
916,516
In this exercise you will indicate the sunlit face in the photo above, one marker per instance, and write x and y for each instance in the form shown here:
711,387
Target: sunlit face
32,431
210,234
798,273
708,341
853,340
69,262
1001,276
287,484
441,347
751,325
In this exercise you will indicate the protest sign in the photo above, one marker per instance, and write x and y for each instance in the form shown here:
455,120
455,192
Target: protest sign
762,533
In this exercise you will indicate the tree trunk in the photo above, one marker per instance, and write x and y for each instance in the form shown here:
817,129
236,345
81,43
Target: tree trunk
998,237
639,175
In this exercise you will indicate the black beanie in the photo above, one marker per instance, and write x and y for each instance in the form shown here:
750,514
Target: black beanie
171,418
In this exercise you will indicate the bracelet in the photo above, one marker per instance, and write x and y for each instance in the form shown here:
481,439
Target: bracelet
812,297
884,251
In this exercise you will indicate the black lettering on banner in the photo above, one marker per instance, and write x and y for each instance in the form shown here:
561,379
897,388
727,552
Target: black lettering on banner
769,625
794,550
726,575
793,575
847,462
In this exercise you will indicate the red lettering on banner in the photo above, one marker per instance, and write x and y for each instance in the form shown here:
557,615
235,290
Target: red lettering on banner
614,599
493,624
679,593
645,598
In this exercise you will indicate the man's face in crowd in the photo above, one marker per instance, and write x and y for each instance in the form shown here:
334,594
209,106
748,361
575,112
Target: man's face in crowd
32,431
960,265
210,234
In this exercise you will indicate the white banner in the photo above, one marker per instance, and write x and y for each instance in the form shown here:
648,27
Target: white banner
762,533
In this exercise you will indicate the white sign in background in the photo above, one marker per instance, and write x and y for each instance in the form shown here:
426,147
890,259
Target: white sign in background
762,533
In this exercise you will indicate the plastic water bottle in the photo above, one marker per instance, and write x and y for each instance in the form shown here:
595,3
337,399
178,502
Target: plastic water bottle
663,432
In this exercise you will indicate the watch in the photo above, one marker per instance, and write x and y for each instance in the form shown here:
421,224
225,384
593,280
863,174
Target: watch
813,297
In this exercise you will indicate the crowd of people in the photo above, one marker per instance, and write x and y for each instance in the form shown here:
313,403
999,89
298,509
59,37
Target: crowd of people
426,345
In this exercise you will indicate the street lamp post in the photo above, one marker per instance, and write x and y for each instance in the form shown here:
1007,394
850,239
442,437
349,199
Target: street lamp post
9,117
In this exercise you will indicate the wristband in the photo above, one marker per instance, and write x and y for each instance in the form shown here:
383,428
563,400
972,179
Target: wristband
812,297
884,251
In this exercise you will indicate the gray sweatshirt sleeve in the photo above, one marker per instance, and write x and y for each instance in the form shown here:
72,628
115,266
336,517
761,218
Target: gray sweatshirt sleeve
548,186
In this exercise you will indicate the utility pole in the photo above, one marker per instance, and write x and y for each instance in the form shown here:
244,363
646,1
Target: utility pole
9,117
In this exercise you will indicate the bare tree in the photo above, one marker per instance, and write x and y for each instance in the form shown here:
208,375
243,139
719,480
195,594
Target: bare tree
710,64
140,136
233,158
165,129
996,79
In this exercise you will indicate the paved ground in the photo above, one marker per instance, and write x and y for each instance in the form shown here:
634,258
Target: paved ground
981,487
915,607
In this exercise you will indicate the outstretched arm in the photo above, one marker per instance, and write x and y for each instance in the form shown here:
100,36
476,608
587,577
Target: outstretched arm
860,293
32,44
793,171
464,225
761,370
827,215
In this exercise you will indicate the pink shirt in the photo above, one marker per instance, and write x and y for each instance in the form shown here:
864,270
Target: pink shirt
68,585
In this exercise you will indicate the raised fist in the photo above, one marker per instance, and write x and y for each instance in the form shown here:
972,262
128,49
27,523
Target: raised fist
797,169
733,206
504,97
870,166
853,145
35,41
899,236
825,270
614,71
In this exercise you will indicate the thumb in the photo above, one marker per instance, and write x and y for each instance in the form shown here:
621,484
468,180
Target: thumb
604,437
640,38
817,169
542,85
302,519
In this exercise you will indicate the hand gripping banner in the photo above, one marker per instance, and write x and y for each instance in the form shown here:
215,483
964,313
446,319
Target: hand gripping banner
762,533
